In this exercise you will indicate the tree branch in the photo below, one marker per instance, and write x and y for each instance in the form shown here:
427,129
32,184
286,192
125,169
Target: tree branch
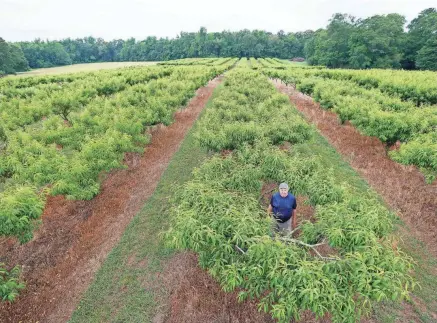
294,230
312,246
240,250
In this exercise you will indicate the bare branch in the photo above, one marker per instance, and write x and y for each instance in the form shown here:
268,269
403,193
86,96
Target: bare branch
240,250
294,230
298,242
313,247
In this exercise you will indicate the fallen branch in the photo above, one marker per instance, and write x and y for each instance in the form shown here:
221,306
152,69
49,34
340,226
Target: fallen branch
312,246
240,250
294,230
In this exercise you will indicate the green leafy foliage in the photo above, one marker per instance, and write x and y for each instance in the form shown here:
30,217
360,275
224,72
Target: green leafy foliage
378,41
420,151
12,59
421,31
9,283
20,206
414,86
427,55
45,54
247,113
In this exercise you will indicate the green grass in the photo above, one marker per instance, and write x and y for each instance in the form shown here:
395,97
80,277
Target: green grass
425,297
127,288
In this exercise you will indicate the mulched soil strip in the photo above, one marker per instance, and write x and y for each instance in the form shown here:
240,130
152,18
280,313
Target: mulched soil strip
402,187
197,297
76,236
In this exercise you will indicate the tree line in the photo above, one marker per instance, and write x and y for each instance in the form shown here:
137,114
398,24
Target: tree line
243,43
379,41
11,58
376,42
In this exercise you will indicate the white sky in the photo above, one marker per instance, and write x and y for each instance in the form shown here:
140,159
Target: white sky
110,19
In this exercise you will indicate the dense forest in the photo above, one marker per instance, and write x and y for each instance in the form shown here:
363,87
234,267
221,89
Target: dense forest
380,41
376,42
11,58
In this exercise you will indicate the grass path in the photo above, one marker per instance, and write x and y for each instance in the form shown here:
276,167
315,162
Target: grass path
128,288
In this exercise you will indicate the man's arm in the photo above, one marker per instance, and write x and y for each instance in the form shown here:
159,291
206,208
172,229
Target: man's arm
294,217
269,210
294,221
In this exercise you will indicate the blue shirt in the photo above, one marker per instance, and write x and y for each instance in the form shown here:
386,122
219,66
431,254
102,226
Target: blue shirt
283,206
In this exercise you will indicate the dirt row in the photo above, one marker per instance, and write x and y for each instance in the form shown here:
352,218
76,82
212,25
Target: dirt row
403,188
197,297
76,236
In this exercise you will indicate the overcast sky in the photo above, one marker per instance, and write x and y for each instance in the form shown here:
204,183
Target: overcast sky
110,19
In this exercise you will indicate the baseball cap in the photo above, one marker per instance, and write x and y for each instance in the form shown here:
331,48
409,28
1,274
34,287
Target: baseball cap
283,185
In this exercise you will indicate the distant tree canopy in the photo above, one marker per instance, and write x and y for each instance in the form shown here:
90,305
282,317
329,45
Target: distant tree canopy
422,31
426,58
200,44
11,58
45,54
347,42
376,42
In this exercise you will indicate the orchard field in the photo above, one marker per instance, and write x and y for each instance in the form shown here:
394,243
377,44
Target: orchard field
88,67
358,149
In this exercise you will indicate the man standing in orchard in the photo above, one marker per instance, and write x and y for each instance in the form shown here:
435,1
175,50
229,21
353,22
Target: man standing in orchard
283,204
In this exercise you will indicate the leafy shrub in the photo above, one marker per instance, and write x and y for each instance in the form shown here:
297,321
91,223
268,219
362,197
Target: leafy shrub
9,283
20,206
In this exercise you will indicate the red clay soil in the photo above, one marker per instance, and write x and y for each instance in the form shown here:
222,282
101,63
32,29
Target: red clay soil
76,236
197,297
267,191
402,187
